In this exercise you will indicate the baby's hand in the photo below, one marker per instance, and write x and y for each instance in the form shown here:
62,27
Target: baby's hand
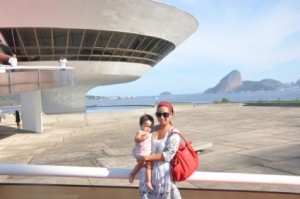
141,136
141,160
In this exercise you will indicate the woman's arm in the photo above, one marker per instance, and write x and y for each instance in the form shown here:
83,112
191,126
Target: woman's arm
167,154
171,148
154,157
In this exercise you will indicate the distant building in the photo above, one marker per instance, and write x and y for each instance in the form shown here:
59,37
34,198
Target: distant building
108,42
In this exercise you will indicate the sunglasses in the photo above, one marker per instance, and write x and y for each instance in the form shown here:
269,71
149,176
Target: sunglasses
164,114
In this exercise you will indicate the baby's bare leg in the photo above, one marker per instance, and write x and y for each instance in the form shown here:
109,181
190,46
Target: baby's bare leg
134,172
148,178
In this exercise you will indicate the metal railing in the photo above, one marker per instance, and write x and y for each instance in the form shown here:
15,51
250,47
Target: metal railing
118,173
62,191
28,78
57,191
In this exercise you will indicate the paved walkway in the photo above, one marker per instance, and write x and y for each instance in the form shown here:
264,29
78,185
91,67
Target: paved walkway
261,140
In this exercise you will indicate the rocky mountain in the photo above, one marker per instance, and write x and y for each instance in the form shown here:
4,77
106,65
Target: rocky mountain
229,83
263,85
233,83
166,93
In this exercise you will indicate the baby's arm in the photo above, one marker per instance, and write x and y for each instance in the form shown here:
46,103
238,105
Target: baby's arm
140,136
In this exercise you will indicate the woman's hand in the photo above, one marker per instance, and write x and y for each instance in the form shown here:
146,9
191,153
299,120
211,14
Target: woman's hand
142,162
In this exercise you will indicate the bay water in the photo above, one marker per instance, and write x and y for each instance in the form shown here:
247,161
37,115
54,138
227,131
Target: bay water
139,102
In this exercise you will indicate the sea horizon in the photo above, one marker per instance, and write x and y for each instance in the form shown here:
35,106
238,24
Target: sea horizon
139,102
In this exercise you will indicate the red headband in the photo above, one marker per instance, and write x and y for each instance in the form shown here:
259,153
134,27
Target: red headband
166,104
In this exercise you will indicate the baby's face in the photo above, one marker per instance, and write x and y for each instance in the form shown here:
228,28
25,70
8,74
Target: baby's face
147,126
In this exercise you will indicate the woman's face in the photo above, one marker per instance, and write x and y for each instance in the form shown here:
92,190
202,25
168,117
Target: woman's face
163,115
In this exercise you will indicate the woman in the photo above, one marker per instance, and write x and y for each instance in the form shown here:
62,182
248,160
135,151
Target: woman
18,119
164,146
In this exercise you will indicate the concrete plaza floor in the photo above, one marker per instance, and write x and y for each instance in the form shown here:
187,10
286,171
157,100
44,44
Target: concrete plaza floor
246,139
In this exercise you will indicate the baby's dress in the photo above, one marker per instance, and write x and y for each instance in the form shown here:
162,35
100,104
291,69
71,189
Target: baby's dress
143,148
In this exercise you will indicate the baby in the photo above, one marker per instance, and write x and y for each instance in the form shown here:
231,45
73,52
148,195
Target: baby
143,147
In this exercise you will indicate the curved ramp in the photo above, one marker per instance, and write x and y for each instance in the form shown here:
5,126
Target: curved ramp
25,79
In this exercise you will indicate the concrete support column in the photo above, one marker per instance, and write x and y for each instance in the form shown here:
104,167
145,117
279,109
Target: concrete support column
32,118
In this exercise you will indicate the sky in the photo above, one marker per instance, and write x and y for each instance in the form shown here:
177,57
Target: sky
259,38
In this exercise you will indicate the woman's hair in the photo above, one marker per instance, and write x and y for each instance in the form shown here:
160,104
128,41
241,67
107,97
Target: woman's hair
146,117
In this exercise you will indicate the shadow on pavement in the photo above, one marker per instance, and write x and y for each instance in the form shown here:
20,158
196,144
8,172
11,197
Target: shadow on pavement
7,131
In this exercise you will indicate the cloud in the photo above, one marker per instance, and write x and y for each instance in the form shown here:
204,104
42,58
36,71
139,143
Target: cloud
252,34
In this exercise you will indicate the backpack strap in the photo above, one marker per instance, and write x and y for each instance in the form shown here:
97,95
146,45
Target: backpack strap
181,136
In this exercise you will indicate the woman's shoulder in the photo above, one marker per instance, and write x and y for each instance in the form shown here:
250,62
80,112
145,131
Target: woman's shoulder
174,130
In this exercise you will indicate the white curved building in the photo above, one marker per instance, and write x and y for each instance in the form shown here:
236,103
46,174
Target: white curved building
107,41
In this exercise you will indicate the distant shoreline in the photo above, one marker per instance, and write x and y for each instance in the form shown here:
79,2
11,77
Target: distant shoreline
120,105
284,104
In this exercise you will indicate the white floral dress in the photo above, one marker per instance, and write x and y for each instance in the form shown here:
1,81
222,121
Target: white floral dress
164,186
